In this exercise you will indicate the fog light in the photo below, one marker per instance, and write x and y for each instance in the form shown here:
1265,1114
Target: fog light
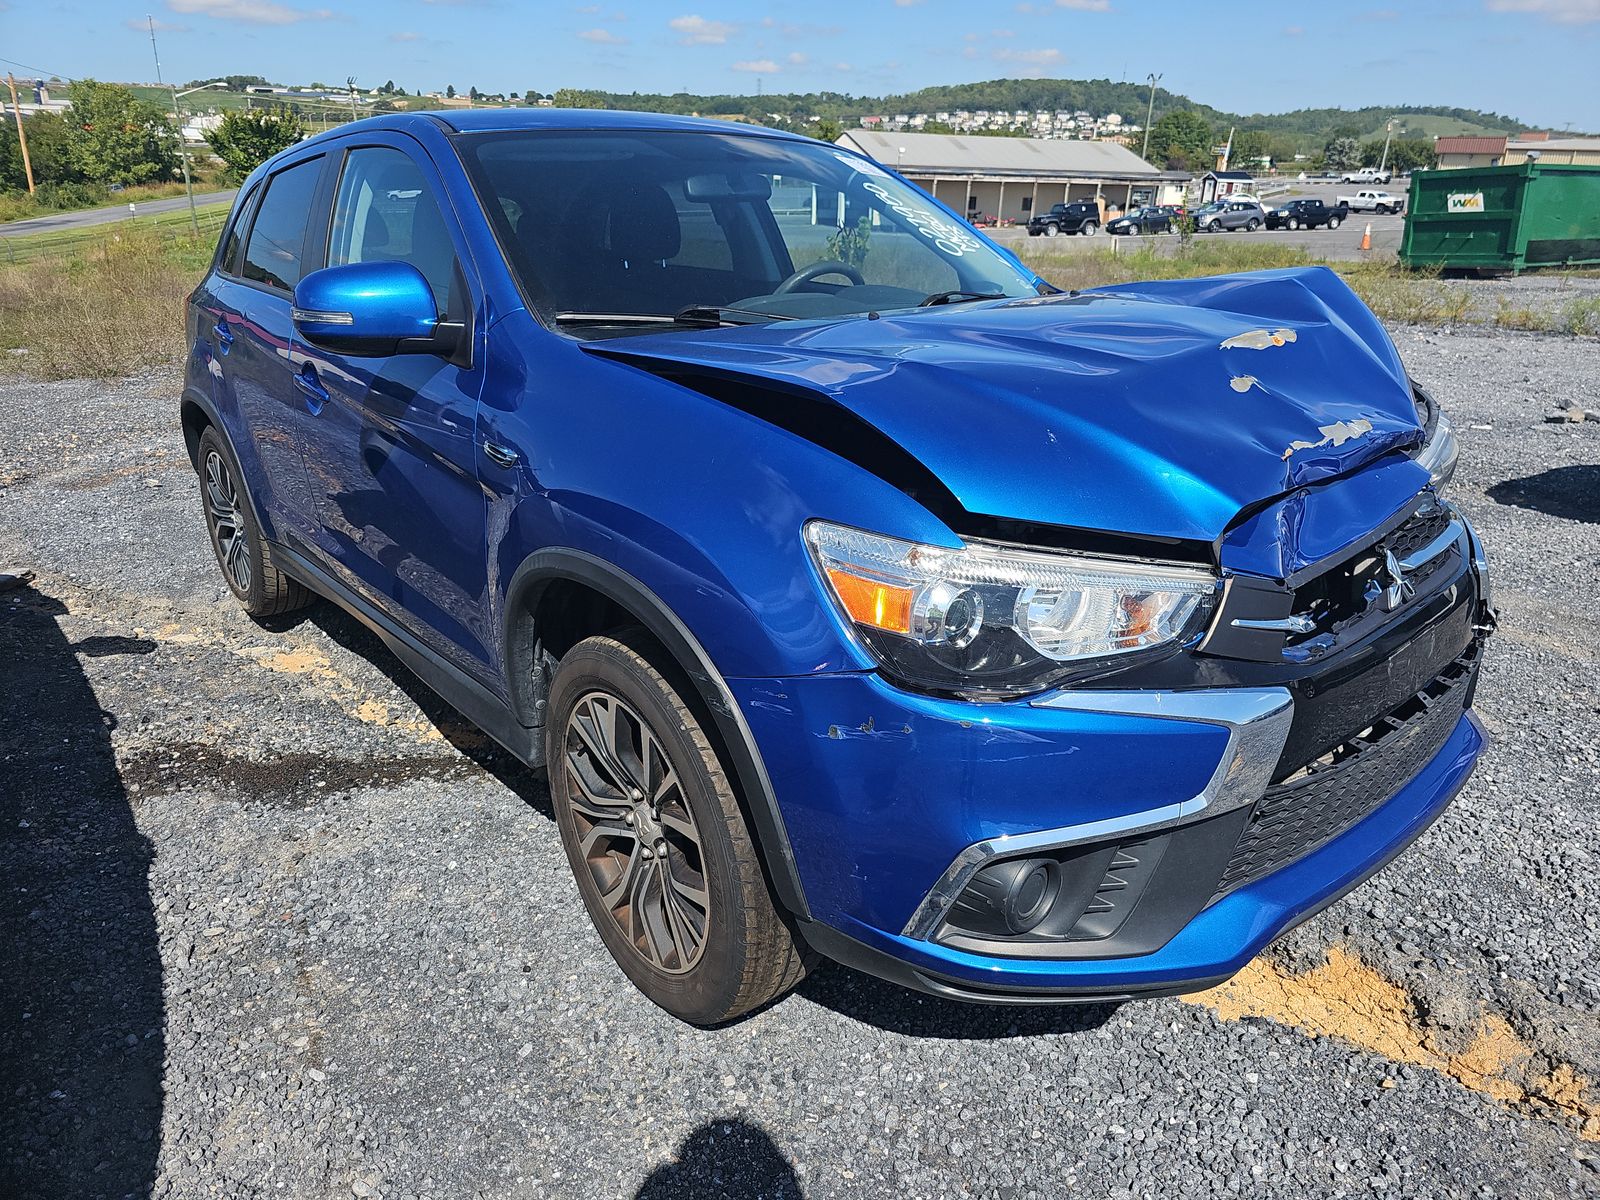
1017,894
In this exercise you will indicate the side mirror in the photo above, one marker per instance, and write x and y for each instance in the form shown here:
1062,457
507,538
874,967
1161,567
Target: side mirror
371,309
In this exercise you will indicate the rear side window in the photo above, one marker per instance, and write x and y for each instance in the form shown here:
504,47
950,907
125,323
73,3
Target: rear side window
228,261
277,238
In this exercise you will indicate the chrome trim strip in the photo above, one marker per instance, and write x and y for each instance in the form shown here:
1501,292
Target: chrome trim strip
1257,721
1298,623
321,316
1448,537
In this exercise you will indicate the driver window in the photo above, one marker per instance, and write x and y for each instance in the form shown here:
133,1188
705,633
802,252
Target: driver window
385,212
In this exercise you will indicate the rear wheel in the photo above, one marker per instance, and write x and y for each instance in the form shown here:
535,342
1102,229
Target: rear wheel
236,539
653,831
1252,225
1333,222
1089,229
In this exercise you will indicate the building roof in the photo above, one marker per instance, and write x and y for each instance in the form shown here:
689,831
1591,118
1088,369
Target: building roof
955,154
1565,143
1229,175
1469,145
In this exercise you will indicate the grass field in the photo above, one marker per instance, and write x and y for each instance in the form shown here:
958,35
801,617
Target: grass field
108,301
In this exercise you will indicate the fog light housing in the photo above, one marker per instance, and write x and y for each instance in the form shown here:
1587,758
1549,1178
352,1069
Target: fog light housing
1012,897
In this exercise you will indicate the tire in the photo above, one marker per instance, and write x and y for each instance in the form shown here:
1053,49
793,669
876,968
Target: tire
1089,229
1215,227
236,539
1052,230
712,946
1334,222
1293,223
1252,225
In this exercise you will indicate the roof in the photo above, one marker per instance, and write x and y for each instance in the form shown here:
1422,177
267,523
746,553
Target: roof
955,154
1229,175
478,120
1469,145
1569,143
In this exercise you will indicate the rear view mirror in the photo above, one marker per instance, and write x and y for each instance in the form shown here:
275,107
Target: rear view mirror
735,185
373,308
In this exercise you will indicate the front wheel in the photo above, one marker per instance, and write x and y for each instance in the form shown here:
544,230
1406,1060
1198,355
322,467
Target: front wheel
1052,230
656,839
1293,223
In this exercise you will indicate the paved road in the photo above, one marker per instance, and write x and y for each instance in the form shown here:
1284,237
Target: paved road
275,922
57,222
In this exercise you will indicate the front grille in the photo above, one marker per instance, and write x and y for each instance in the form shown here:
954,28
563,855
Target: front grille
1343,595
1332,793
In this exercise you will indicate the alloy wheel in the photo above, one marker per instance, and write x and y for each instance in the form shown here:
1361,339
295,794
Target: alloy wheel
636,832
226,517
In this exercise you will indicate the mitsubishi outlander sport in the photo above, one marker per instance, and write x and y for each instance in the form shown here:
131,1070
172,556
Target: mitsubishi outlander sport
862,594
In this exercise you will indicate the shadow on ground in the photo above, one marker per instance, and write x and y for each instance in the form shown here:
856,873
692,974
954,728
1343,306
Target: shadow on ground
1571,492
724,1160
81,1019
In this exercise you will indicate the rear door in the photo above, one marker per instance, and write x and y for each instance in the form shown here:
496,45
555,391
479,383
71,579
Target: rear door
394,457
253,294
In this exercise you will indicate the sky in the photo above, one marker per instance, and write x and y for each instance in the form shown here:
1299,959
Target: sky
1534,60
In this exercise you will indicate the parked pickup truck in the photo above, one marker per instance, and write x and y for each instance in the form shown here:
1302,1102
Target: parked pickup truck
1305,214
1370,201
1366,175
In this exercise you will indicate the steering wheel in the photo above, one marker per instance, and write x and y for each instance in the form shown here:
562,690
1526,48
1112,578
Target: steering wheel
816,270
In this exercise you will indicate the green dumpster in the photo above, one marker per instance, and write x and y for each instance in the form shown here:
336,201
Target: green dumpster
1504,218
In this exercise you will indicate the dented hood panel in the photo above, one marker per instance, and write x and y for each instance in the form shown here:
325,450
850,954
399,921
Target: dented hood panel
1161,409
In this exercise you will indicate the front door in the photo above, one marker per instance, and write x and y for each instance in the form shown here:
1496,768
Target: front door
394,460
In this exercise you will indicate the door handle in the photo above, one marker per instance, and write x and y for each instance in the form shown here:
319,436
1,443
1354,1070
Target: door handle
223,334
309,386
501,456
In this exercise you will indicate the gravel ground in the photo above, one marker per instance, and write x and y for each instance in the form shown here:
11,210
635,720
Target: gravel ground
274,922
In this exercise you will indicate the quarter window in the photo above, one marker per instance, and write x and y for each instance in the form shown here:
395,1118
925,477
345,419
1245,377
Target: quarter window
277,238
385,212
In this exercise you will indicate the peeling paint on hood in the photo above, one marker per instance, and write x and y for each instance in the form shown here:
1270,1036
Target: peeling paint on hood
1117,410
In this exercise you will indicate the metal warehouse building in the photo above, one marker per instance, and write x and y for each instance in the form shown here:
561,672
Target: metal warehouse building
1015,177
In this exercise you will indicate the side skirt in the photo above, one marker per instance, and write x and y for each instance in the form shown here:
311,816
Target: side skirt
463,693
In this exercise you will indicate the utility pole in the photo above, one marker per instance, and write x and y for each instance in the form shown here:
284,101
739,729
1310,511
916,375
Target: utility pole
22,137
1388,132
1149,114
177,117
350,82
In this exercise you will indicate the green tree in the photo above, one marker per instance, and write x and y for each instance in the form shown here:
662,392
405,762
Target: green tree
1342,153
388,88
581,98
114,137
827,130
47,151
1181,139
449,91
1250,146
473,93
247,138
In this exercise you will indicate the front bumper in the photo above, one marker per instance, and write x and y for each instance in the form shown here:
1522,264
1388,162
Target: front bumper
893,800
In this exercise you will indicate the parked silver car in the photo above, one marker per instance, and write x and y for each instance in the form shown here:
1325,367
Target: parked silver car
1230,214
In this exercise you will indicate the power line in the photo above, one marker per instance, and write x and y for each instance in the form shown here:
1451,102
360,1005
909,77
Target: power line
38,70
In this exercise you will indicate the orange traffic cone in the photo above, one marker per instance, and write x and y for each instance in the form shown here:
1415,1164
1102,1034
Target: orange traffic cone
1366,238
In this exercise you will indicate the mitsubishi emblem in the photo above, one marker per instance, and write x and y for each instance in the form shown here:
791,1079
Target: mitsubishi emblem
1400,588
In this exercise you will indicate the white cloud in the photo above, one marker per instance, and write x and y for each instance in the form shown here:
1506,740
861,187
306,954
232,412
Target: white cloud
602,37
906,3
1293,30
843,68
758,66
1565,12
405,36
1030,62
796,59
1085,5
251,12
697,31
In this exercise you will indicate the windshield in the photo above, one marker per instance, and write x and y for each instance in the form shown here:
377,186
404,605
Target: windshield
631,223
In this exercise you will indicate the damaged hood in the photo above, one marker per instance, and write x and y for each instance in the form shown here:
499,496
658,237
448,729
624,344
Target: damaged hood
1161,409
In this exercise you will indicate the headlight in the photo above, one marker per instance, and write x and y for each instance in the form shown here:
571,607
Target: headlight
1439,452
1000,618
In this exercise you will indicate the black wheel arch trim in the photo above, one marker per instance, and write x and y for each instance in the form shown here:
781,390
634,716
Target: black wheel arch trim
544,567
193,397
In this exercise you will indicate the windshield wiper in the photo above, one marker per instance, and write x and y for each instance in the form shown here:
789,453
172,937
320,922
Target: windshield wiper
957,296
598,318
711,314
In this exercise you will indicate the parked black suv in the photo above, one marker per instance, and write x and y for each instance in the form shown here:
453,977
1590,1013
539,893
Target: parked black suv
1306,214
1082,216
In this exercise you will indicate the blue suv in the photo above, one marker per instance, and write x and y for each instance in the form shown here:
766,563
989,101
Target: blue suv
862,594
